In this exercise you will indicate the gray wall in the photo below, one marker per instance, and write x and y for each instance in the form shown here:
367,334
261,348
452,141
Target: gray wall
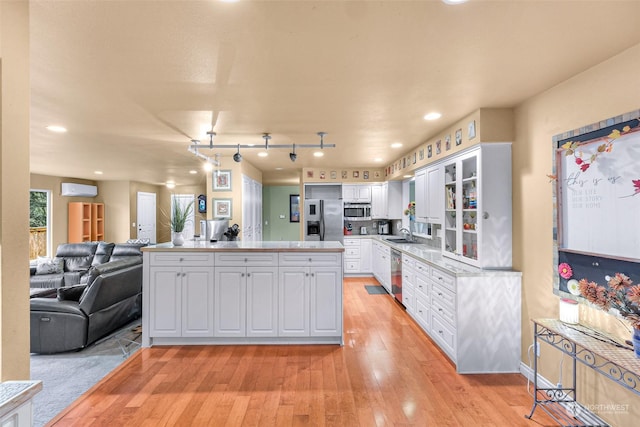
275,202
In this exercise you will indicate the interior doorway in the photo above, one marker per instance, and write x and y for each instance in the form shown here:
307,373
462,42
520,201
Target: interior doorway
146,220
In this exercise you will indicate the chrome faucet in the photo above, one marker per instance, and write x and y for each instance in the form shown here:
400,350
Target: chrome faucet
407,231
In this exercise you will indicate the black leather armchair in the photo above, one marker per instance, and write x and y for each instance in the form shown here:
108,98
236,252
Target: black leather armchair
82,314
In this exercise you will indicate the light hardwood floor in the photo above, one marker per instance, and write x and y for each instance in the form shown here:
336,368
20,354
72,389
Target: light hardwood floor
388,373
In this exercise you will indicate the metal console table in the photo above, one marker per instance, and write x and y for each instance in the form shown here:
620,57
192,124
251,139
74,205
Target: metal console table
595,349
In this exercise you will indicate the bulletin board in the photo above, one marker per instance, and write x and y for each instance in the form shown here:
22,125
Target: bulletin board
597,202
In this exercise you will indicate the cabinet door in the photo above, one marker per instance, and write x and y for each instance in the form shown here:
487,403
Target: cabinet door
363,193
165,301
420,197
377,203
197,302
434,194
262,301
349,193
365,255
395,208
230,302
293,299
326,301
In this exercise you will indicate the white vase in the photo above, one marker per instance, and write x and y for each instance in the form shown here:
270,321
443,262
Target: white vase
178,239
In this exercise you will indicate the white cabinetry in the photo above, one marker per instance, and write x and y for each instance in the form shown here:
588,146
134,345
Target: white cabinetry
382,264
246,294
181,295
356,193
386,200
408,284
365,255
477,214
357,255
310,295
420,186
429,195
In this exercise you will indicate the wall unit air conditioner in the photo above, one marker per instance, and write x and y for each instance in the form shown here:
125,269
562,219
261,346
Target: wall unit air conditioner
79,190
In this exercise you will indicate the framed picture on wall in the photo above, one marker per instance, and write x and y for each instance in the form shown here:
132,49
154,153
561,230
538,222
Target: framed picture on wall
222,180
294,208
222,208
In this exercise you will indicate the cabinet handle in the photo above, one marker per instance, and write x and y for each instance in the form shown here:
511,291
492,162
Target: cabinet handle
181,259
241,274
440,310
245,260
178,274
439,294
248,274
440,332
309,259
307,274
420,311
313,274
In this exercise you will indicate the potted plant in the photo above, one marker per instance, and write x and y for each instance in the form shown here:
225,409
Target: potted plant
180,215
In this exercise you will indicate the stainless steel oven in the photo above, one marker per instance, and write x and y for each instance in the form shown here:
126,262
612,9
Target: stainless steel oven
357,211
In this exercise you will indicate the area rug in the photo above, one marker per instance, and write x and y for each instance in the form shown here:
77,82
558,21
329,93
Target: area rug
375,289
66,376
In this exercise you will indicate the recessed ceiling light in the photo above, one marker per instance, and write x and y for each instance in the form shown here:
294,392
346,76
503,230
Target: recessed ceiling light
454,1
193,172
279,169
396,145
263,154
98,172
170,185
432,116
56,128
377,159
408,176
318,154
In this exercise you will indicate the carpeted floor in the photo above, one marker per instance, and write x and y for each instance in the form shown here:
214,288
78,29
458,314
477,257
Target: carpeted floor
66,376
375,289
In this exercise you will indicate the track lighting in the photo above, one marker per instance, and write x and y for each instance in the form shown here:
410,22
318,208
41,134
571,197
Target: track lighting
237,157
293,156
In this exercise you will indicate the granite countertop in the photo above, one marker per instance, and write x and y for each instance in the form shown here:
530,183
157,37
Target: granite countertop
239,246
15,393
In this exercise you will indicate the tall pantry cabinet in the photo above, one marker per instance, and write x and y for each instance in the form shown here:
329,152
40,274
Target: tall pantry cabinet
85,222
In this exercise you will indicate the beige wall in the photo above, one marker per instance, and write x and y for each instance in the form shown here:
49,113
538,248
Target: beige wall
604,91
14,190
115,195
134,188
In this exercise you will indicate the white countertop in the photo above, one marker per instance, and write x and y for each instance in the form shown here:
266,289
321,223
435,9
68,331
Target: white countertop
15,393
238,245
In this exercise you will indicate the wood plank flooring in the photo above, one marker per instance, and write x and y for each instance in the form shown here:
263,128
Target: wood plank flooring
388,373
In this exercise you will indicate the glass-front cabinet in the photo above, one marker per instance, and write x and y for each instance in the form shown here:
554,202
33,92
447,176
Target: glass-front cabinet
477,223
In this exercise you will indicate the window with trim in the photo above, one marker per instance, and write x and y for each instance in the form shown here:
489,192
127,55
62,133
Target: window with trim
39,224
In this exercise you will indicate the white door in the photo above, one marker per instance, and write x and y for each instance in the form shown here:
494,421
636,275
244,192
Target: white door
146,205
183,200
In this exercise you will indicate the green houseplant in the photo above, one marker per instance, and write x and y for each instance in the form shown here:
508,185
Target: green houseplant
180,215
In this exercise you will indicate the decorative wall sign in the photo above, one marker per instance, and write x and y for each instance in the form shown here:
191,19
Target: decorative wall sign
422,154
309,174
221,180
334,175
322,175
458,137
202,203
439,146
344,175
222,208
376,174
414,158
356,174
365,174
447,144
429,151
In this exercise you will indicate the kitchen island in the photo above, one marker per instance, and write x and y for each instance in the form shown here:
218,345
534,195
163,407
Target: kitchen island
242,293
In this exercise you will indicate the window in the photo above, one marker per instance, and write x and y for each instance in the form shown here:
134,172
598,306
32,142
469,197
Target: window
39,223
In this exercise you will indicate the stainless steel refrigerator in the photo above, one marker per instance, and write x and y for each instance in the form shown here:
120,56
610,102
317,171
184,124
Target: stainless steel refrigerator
323,220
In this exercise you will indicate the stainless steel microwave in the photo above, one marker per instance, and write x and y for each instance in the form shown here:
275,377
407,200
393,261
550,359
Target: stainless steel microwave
357,211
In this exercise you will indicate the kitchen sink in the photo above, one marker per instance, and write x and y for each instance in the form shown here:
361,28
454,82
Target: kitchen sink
400,240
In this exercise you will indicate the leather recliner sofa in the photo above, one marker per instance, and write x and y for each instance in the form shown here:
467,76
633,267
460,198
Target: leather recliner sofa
82,314
78,258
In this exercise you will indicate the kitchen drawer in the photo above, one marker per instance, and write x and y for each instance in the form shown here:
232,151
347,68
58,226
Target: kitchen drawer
443,335
189,259
408,275
351,242
444,312
241,259
351,252
443,279
422,313
352,266
408,261
408,299
445,297
422,268
422,285
310,259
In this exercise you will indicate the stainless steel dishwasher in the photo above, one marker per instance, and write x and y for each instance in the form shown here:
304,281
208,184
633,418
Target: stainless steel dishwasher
396,275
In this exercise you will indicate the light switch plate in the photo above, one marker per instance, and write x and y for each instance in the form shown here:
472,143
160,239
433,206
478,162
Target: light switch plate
281,216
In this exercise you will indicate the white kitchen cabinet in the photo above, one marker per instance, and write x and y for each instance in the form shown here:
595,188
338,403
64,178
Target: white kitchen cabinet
477,214
420,187
182,301
386,200
251,210
352,255
382,264
262,302
435,196
365,255
310,294
356,193
422,295
408,284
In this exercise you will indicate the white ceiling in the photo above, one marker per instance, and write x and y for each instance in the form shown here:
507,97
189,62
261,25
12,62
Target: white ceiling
135,81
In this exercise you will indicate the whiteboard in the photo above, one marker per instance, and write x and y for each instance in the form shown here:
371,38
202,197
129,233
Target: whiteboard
599,194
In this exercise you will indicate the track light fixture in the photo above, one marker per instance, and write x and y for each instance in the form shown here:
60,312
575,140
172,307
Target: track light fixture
195,145
293,156
237,157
